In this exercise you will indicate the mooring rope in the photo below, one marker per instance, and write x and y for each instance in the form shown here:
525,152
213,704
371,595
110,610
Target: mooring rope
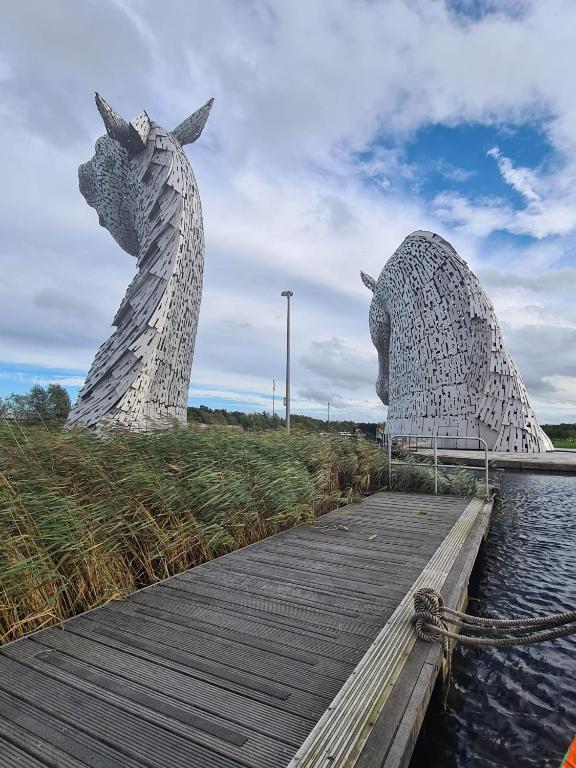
431,619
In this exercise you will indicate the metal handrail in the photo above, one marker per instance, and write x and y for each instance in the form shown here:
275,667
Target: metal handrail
434,439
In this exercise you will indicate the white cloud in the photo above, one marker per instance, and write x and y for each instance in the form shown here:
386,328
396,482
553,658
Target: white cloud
334,359
30,379
476,219
479,217
64,381
564,392
523,180
559,402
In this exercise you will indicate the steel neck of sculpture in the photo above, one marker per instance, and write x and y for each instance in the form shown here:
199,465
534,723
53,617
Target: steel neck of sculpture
144,191
443,367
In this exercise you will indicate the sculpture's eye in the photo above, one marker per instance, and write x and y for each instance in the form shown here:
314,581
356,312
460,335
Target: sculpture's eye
108,163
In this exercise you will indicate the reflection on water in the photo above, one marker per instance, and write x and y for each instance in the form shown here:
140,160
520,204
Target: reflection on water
514,706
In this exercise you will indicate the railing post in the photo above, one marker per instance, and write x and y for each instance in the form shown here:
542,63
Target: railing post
407,440
435,464
487,494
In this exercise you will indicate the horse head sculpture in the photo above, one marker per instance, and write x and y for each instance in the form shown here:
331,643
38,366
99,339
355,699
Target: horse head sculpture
144,192
443,368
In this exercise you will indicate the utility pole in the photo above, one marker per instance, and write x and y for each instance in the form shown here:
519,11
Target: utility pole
288,295
273,397
328,412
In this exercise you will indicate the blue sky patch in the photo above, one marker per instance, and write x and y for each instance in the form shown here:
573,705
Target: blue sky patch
17,379
442,158
475,10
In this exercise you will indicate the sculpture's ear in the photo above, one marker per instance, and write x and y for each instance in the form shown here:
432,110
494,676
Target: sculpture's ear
190,129
368,281
116,126
132,135
138,130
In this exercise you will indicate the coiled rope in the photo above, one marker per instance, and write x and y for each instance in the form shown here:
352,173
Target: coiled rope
432,617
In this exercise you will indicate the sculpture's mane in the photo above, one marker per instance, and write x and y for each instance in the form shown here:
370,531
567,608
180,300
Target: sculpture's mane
158,217
160,177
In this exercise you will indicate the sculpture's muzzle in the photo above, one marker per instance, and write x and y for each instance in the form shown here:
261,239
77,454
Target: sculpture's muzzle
86,183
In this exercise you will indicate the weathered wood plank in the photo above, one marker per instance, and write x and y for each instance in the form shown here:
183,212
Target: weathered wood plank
308,595
211,700
158,707
237,664
337,584
237,600
291,644
356,574
348,552
42,739
306,591
128,734
183,604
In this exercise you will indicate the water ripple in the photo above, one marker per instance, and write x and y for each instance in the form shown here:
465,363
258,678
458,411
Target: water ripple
514,706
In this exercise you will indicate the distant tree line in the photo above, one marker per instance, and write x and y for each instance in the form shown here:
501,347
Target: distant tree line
220,416
50,405
258,422
560,431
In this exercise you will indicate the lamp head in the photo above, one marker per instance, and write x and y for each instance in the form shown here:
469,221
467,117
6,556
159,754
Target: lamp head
287,293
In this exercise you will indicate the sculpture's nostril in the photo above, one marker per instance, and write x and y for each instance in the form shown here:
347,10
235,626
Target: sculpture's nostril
85,181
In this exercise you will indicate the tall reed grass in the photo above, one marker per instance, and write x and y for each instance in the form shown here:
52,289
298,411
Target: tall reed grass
84,521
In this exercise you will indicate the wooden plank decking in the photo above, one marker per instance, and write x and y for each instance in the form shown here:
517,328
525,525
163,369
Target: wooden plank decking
233,663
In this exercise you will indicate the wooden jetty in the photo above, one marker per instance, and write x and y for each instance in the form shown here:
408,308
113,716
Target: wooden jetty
547,461
297,650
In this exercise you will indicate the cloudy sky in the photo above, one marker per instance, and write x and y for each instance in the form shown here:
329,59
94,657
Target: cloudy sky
339,127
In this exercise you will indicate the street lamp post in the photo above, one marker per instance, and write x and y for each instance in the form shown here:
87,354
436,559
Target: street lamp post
288,295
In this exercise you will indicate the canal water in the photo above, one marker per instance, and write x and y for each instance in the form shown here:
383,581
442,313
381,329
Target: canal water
514,706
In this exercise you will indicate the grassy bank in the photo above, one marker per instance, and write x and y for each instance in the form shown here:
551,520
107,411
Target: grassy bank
566,442
84,521
562,435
